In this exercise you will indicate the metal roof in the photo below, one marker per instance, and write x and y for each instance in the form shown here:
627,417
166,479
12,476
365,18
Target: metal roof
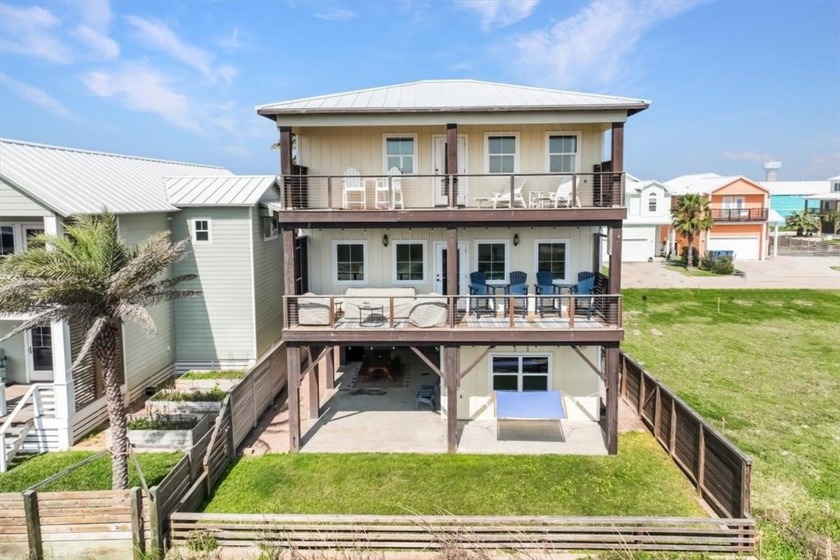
634,184
451,96
217,191
704,183
796,187
826,196
70,181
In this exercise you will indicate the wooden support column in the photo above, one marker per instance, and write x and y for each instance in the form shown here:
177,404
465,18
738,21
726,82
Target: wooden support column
614,282
452,162
611,368
285,150
329,382
451,366
288,271
293,385
616,185
312,386
452,271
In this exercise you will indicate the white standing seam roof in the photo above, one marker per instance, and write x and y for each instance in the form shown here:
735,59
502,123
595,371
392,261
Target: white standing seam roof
703,183
796,187
70,181
451,96
240,190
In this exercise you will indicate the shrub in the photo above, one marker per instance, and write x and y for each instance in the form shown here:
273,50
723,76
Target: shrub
215,374
162,422
213,395
719,264
695,256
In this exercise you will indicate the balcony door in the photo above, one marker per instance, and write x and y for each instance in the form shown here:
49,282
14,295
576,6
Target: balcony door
441,185
441,258
39,353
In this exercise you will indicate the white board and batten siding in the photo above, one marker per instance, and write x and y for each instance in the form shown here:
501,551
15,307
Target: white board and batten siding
14,204
570,375
268,285
746,248
217,326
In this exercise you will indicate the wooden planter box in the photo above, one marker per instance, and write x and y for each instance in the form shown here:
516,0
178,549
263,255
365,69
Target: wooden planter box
182,407
225,385
166,440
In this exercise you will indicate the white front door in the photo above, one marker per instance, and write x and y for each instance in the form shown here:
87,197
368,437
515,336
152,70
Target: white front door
39,354
441,194
441,258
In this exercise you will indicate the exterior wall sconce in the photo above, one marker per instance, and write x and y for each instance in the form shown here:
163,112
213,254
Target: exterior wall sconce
515,239
385,240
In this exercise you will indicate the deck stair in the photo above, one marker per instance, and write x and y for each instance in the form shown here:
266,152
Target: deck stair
21,430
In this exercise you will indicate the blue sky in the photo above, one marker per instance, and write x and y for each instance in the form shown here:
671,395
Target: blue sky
732,84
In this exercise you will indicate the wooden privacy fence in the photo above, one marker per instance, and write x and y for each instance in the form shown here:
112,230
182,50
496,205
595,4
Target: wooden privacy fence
719,470
416,533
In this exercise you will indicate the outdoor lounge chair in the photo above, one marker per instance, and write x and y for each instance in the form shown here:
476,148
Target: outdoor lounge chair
563,195
518,277
354,189
518,299
478,287
584,292
545,287
503,198
383,192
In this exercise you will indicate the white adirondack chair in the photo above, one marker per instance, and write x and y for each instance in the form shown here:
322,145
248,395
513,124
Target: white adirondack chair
383,194
503,198
354,189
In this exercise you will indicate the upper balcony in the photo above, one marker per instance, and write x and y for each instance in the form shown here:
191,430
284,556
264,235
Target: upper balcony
739,214
338,200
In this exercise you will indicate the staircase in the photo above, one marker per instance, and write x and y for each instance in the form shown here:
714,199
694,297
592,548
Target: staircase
22,430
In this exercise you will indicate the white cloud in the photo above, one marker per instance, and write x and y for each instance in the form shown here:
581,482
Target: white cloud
32,31
756,157
337,14
37,96
94,13
499,13
157,35
102,45
594,46
143,89
231,42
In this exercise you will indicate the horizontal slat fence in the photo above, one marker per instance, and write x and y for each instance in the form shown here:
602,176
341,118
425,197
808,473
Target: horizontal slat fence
372,533
719,470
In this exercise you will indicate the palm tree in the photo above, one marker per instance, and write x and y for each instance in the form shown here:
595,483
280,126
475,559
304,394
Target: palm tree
833,218
90,275
802,221
691,216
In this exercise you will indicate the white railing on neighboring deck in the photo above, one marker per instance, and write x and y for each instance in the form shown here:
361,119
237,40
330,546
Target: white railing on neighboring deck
33,394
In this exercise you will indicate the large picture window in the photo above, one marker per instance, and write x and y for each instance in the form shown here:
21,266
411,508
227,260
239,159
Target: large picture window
524,372
350,259
492,257
552,255
501,154
562,153
400,153
409,258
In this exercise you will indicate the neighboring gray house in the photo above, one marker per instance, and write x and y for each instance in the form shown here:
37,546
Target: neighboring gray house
234,243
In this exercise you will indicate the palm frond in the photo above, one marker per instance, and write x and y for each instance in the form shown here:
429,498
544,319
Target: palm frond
133,313
91,334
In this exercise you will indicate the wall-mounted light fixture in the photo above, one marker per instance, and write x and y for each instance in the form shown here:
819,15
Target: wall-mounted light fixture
385,240
515,239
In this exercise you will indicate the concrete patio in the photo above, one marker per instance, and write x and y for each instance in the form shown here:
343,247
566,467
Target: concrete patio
380,417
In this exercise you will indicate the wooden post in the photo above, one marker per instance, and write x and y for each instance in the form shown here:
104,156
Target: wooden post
614,280
156,529
452,163
701,459
313,388
288,272
329,382
452,270
612,400
288,184
623,375
657,414
450,358
641,404
672,443
33,524
293,384
617,161
746,481
138,541
229,443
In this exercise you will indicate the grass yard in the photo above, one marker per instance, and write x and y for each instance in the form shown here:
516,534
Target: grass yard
695,271
640,481
763,365
93,476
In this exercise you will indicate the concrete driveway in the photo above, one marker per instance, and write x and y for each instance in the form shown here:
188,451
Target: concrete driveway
777,273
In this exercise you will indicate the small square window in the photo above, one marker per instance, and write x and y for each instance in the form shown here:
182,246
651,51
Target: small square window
409,261
400,153
492,260
562,153
528,372
201,230
350,265
501,154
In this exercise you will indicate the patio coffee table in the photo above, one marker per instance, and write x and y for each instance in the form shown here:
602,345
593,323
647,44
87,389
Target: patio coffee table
544,406
372,319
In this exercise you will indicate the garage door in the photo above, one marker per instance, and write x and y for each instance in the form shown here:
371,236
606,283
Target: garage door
746,248
634,250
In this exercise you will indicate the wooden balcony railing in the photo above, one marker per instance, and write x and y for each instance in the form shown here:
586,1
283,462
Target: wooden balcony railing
422,312
739,214
416,192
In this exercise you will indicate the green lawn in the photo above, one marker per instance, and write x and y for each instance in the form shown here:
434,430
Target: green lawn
93,476
689,272
763,365
639,481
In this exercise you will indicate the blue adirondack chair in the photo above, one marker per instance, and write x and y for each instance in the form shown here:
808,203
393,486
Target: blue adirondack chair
478,287
545,287
584,292
519,303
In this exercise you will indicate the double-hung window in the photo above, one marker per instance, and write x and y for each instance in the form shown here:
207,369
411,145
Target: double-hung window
350,260
562,153
520,372
400,152
553,256
201,230
501,154
7,240
271,228
492,259
652,202
409,259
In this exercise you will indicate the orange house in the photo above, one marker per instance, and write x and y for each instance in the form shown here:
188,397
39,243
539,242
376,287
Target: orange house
739,209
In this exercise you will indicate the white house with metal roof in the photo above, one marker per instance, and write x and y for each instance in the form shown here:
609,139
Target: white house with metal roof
648,219
235,252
